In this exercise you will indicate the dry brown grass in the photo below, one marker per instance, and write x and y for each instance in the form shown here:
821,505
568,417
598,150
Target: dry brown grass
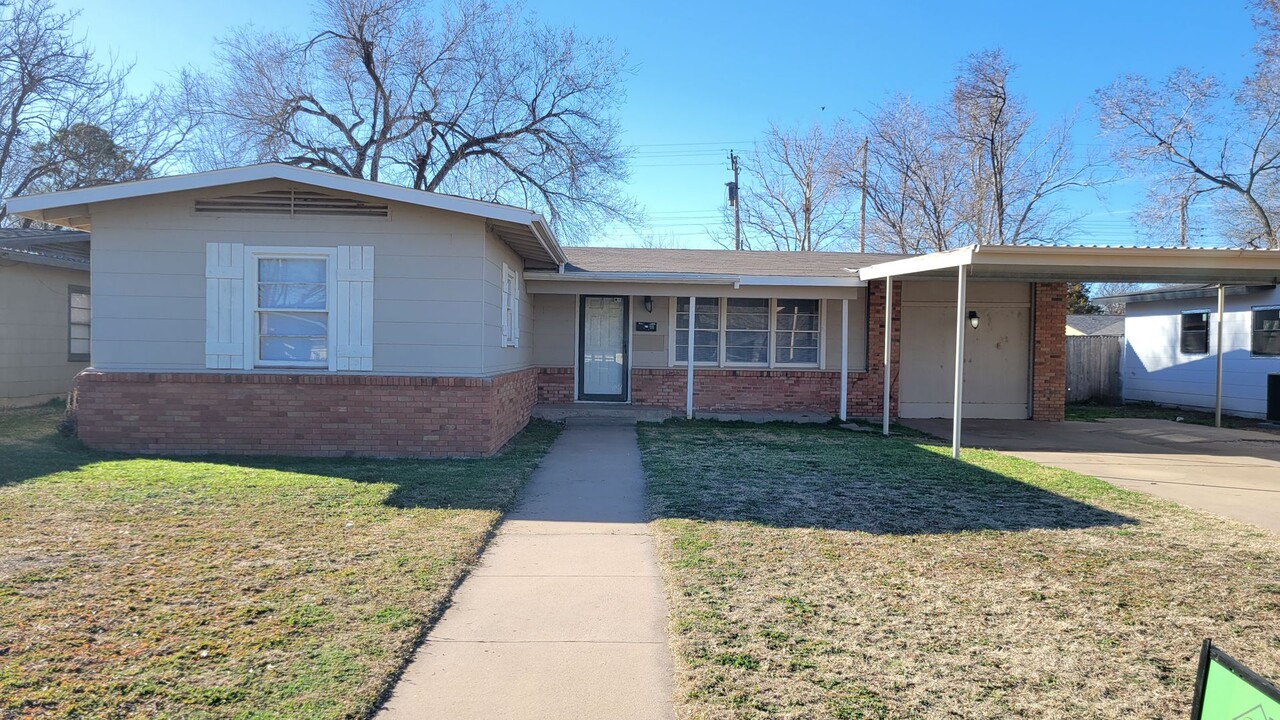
222,587
816,573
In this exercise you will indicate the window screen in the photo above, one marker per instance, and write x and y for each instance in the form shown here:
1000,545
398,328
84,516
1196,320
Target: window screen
1195,332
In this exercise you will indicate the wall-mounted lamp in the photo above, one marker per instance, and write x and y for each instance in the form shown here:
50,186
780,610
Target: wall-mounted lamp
648,303
973,319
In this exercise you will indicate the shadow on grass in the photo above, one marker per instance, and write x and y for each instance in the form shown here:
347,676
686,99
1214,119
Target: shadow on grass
818,477
31,448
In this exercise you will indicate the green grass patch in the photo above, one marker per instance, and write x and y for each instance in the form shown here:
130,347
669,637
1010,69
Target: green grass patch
816,572
1091,412
226,586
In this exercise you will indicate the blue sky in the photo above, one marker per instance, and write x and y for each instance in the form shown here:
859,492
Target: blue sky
711,76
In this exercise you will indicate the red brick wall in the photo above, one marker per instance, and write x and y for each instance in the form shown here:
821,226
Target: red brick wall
716,390
1049,352
555,385
331,415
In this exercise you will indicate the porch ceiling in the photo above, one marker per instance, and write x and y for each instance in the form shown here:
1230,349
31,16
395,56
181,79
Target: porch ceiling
1088,264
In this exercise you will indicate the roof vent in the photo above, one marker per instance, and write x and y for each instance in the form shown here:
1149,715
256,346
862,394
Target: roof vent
292,202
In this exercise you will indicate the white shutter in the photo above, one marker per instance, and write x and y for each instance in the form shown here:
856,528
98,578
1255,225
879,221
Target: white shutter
515,309
506,305
224,328
353,309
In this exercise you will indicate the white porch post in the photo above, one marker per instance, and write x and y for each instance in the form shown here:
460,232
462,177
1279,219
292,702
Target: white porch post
957,404
844,359
1222,307
888,348
688,390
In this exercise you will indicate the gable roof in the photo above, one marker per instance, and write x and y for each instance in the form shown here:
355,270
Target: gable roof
1096,324
527,232
56,248
754,263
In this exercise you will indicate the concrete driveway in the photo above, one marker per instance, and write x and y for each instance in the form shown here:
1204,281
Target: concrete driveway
1235,473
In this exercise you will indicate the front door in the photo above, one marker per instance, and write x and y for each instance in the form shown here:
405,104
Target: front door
602,342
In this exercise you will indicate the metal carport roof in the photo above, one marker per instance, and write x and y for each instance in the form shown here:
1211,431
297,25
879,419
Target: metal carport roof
1220,267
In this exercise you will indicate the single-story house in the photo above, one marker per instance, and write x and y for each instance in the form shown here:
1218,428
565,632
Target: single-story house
44,313
1095,325
272,309
1172,346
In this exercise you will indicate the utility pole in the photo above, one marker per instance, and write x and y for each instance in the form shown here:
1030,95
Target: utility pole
1182,221
733,202
862,213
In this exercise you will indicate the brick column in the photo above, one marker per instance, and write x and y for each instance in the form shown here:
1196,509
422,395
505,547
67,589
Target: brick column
1049,352
868,394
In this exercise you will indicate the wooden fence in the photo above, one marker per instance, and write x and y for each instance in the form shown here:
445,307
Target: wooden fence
1093,368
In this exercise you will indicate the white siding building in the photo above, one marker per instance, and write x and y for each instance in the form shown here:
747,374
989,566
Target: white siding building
1171,345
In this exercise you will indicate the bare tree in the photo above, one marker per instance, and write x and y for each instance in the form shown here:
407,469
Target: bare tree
794,198
67,121
1016,175
467,98
915,180
978,169
1210,152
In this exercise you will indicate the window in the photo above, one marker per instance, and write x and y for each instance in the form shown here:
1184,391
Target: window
292,312
746,333
758,332
796,331
78,324
1266,331
510,307
1195,332
706,334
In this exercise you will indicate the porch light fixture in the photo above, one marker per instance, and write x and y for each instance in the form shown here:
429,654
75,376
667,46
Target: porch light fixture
973,319
648,303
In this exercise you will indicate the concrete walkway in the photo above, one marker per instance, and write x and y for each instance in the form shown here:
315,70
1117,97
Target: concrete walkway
1235,473
565,617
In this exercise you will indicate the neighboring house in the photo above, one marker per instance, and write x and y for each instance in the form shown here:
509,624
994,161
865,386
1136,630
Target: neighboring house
44,313
1095,325
271,309
1171,346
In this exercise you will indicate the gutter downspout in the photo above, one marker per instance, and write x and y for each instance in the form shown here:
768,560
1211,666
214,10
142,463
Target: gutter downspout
1222,306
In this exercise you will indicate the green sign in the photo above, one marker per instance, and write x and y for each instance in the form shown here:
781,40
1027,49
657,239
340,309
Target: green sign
1227,690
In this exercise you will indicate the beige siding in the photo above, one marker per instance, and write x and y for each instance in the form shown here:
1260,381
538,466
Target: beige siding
997,354
434,274
34,332
498,359
554,330
651,350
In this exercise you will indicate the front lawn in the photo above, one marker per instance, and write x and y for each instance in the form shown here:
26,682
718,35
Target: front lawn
226,587
819,573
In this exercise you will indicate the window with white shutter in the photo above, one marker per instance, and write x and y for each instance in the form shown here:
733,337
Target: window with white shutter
288,307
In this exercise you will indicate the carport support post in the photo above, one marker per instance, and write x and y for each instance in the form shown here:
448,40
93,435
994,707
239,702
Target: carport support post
1222,308
844,359
957,404
888,348
688,388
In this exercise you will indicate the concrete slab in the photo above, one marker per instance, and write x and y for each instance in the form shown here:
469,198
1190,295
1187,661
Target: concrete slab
565,555
1234,473
600,608
538,681
565,616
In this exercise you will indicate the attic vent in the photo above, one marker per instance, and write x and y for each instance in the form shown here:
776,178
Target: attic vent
292,202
